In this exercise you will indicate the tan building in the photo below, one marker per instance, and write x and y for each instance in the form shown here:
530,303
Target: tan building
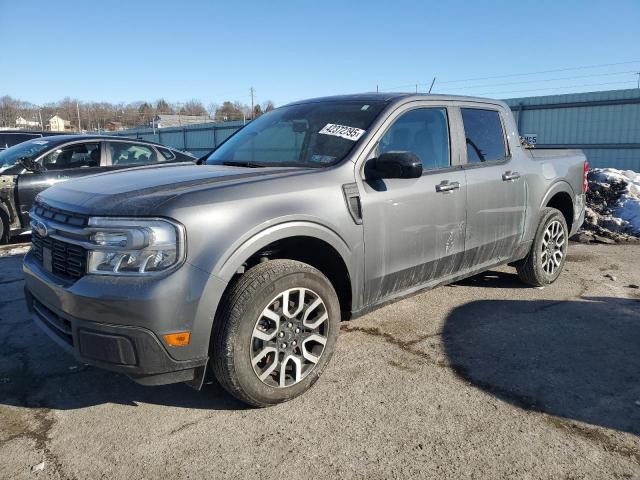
58,124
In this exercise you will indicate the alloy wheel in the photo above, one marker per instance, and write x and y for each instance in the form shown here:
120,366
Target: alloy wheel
289,337
553,247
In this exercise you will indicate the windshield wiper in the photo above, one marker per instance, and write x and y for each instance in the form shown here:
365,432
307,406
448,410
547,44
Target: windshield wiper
244,164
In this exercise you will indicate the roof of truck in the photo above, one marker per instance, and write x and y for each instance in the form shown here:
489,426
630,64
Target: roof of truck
393,96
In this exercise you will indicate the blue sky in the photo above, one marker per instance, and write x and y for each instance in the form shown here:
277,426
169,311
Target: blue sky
214,51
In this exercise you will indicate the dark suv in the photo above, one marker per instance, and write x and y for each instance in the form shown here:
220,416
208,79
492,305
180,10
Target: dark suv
9,138
30,167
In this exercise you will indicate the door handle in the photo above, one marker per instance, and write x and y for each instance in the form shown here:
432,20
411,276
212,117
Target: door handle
510,176
446,186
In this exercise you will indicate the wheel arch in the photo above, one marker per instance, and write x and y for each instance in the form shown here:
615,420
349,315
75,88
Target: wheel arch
308,242
560,196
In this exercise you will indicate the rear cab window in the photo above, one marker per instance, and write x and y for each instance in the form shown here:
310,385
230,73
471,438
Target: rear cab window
484,135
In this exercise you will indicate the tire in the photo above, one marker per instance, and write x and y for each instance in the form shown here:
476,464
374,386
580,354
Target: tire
246,329
545,261
5,231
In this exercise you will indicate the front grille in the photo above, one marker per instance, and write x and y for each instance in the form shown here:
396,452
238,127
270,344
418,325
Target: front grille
64,259
60,216
68,261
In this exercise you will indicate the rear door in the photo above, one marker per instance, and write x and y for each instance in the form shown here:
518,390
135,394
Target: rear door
496,195
71,160
414,228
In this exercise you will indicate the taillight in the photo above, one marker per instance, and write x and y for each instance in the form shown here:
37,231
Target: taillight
585,181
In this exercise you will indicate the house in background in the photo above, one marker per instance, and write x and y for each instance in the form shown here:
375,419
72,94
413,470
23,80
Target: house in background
163,121
113,126
58,124
23,123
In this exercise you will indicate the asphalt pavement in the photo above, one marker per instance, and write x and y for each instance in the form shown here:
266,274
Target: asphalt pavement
486,378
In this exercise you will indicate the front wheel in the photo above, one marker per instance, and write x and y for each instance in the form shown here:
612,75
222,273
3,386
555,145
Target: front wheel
275,332
544,262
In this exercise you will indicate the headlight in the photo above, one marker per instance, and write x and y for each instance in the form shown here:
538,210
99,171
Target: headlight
128,246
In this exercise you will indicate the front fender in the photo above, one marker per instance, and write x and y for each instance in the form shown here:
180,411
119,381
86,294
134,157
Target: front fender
229,263
237,254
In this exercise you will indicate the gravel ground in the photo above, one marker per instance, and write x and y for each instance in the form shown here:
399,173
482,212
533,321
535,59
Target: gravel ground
481,379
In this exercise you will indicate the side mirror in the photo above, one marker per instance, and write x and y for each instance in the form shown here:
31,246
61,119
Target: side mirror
31,165
394,165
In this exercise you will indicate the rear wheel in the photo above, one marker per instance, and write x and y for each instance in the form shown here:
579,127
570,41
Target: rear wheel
4,227
275,332
545,260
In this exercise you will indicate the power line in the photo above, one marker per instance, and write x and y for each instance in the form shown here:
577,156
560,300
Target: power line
567,69
583,67
544,80
558,88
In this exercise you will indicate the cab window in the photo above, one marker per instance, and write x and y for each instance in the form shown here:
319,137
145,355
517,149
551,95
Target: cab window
123,153
484,135
424,132
76,155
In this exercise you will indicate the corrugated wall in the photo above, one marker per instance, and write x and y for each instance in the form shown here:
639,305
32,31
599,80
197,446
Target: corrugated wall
197,139
606,125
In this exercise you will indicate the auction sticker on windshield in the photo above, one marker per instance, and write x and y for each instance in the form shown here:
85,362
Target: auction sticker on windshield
350,133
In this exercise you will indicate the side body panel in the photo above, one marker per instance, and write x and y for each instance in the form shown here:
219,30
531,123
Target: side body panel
414,233
496,199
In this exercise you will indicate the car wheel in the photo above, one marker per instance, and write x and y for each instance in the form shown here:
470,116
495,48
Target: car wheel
4,227
544,262
275,332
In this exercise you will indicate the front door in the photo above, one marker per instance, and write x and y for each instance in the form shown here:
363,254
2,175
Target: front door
414,228
65,162
496,195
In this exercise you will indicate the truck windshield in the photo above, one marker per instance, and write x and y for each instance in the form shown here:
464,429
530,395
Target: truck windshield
29,149
315,134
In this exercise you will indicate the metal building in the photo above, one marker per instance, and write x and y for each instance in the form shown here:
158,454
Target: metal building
606,125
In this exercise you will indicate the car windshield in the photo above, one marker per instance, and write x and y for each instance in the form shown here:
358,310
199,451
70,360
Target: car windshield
29,149
315,134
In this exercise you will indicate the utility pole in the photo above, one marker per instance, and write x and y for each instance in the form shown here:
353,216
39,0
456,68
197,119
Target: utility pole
78,110
252,92
40,115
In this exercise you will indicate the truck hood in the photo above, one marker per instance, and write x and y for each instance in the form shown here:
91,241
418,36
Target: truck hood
138,191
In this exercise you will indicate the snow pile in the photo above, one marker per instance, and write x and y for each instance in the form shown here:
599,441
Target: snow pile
613,203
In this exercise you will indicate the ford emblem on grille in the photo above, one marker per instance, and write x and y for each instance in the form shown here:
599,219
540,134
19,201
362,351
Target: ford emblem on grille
42,229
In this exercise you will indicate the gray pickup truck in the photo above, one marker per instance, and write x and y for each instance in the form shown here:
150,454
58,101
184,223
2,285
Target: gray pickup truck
312,214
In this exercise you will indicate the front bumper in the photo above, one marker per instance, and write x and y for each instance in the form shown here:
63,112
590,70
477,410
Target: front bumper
117,323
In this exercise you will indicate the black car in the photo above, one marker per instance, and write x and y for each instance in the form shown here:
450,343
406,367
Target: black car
9,138
30,167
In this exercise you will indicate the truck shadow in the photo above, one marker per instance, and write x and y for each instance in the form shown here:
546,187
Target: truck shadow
492,279
574,359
